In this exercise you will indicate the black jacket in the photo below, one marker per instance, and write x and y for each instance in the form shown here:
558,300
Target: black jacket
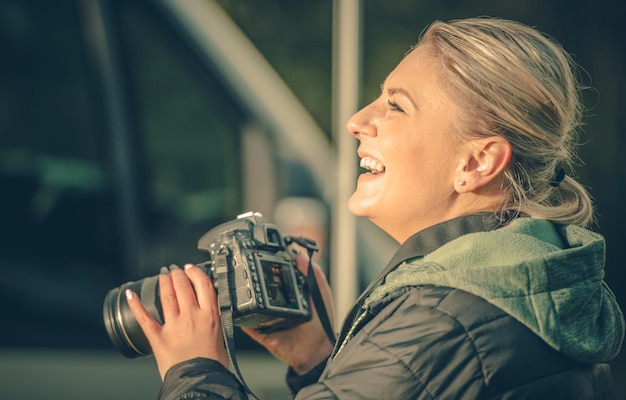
423,342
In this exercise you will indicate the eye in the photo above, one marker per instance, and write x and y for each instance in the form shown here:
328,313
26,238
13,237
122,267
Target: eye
394,106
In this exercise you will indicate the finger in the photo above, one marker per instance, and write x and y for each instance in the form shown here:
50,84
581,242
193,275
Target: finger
144,319
264,338
326,292
254,334
302,262
184,290
169,303
205,291
320,276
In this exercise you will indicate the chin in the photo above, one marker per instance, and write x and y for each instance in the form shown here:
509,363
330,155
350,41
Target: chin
355,210
358,207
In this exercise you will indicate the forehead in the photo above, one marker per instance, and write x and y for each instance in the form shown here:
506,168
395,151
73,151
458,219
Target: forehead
418,74
416,63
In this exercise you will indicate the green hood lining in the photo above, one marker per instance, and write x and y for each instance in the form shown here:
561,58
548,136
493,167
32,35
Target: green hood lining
549,277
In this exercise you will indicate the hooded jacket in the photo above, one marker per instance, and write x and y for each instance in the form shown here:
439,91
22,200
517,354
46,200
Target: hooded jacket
546,276
467,309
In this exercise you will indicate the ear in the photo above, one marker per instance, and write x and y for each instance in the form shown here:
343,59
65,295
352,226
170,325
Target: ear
486,159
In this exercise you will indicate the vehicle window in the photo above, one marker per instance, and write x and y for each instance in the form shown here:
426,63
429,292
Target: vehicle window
60,249
190,127
57,244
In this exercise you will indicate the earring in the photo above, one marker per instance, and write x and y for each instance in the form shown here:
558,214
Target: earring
462,183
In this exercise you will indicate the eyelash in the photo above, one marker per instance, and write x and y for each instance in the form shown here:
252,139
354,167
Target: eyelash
394,106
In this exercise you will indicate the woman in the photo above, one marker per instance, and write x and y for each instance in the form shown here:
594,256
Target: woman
496,290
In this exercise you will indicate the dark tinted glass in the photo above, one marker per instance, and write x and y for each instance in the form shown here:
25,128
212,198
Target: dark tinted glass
66,238
57,245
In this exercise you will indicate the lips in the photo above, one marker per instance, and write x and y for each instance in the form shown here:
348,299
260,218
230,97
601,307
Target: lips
372,165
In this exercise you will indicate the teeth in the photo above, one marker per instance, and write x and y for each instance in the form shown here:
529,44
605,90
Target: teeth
372,164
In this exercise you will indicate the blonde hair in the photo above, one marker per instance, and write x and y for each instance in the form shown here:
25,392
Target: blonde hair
515,82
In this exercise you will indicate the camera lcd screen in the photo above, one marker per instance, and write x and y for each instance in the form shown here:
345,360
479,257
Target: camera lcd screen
279,284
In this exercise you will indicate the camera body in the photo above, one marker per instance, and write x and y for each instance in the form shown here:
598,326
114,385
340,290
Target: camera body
255,275
250,259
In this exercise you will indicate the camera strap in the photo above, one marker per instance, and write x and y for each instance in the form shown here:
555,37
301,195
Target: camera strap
314,289
226,307
226,314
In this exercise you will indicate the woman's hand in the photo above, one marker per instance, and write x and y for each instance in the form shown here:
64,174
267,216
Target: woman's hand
306,345
192,325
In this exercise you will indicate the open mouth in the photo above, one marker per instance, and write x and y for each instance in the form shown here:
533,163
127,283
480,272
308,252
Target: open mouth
372,165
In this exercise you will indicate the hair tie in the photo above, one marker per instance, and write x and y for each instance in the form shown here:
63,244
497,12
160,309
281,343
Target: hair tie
559,175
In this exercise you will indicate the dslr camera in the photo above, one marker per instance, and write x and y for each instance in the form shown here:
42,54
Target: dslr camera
250,260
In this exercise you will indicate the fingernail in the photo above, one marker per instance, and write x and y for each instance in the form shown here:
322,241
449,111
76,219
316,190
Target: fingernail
187,266
129,294
164,271
173,267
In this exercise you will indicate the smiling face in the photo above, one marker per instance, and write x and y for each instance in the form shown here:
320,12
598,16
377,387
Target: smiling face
409,149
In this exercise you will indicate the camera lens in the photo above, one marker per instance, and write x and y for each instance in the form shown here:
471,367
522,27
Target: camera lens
121,325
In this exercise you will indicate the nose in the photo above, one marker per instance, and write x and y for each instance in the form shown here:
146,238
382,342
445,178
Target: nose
361,124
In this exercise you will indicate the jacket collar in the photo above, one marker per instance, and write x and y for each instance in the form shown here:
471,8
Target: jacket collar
431,238
422,243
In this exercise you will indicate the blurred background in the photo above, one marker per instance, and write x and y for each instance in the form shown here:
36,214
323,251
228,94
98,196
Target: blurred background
130,128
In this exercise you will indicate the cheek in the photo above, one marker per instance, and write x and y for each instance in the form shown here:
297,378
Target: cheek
405,159
417,170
